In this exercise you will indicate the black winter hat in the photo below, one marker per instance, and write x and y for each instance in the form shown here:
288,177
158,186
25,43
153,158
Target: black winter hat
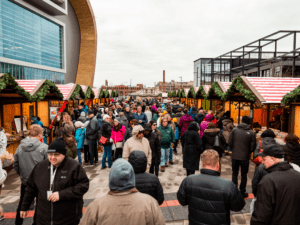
268,133
82,103
246,119
58,145
90,112
147,127
274,150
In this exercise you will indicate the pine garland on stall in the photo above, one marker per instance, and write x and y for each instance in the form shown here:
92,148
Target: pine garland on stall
47,85
291,96
78,90
237,84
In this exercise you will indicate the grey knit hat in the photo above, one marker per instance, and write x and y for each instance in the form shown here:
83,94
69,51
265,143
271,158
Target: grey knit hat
121,176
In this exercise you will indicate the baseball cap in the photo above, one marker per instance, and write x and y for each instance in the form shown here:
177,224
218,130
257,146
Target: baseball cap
274,150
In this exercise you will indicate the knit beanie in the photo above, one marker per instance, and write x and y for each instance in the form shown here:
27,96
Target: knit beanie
78,124
106,116
121,176
58,145
246,119
117,119
268,133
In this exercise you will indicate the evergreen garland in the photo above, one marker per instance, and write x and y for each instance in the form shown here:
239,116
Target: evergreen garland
201,91
159,95
237,84
174,95
192,93
78,90
291,96
90,93
101,94
107,94
8,80
215,89
182,93
47,85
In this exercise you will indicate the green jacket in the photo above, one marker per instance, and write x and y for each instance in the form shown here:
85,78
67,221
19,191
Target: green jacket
167,135
155,117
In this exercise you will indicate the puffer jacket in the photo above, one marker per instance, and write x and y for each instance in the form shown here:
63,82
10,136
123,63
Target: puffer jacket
105,131
146,183
259,173
71,146
92,129
118,136
208,140
124,121
30,152
135,143
167,136
128,134
3,142
265,141
184,123
205,123
193,113
227,128
209,198
242,141
79,137
154,144
294,152
191,147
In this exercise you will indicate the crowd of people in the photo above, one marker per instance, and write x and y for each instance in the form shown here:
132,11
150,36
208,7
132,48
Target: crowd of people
139,140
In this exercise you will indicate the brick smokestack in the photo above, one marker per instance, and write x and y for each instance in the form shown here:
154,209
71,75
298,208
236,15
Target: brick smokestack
106,83
164,80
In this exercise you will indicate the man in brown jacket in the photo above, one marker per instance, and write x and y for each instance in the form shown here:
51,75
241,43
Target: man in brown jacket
124,204
138,142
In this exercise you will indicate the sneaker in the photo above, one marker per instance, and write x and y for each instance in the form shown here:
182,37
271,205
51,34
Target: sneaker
1,218
103,168
171,162
162,169
245,195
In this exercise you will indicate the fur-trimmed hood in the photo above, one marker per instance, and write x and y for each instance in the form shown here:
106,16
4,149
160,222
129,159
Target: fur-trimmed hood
211,130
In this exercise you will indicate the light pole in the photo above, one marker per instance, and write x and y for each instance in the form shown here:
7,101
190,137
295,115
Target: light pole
181,81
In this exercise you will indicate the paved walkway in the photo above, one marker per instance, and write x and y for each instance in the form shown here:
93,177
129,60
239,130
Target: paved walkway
171,179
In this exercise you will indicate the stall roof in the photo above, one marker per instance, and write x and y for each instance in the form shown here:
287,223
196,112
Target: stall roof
270,90
96,92
224,85
88,91
70,90
206,88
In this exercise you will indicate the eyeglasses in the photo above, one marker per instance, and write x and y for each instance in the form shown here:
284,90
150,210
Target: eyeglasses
154,125
53,154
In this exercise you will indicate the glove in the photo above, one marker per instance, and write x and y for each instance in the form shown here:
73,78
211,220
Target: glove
111,140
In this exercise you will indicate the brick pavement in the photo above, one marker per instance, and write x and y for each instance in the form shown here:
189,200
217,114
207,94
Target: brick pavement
170,180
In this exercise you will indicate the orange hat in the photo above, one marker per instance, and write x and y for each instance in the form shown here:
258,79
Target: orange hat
165,112
174,120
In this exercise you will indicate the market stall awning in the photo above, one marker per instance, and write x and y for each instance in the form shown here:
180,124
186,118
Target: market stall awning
88,91
193,92
206,88
96,92
71,91
146,92
224,86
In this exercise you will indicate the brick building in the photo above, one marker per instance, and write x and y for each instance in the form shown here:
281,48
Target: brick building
124,90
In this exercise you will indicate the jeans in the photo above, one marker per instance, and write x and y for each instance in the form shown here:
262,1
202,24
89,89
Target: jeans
154,168
107,154
171,154
175,145
86,154
164,156
236,164
19,220
92,148
189,172
79,155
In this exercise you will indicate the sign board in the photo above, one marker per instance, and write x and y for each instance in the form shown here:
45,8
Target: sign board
164,95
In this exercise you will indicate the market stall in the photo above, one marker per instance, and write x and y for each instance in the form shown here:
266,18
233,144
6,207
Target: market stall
90,95
96,92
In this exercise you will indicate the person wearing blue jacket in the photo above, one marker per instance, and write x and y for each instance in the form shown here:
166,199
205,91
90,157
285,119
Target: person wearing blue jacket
79,138
140,116
176,135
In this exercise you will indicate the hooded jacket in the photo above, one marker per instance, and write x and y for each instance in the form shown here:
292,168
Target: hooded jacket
208,140
105,131
70,181
259,173
184,123
79,137
154,144
294,152
199,118
193,113
118,136
128,134
135,143
278,197
204,124
124,121
242,141
29,153
209,198
192,147
3,142
146,183
227,128
265,141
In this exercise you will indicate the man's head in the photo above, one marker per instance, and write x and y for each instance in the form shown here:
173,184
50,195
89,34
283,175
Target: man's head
36,131
246,120
164,122
272,154
210,159
139,109
138,131
57,151
121,114
127,108
80,107
121,176
90,114
200,111
148,129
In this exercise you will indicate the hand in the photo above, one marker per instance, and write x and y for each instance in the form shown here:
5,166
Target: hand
54,197
172,145
140,121
23,214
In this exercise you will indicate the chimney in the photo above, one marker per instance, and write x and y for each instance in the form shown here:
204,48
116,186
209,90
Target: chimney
164,81
106,83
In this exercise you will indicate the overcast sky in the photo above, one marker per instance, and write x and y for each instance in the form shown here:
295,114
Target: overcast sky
138,39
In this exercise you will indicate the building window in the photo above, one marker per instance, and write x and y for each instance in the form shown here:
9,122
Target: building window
29,37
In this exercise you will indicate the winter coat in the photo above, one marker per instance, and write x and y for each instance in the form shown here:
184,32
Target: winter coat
85,125
193,113
210,198
184,123
192,147
167,136
129,116
139,209
158,133
172,125
70,181
141,117
30,152
146,183
154,144
208,140
3,142
79,137
154,108
135,143
124,121
148,115
71,146
278,197
128,134
177,131
82,117
99,119
105,131
199,118
259,173
227,128
118,136
294,152
265,141
155,117
205,123
178,116
3,174
92,129
242,141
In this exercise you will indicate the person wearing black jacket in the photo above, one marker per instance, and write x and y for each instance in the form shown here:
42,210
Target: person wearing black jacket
259,173
62,205
155,148
146,183
200,116
292,148
192,148
128,114
92,136
242,141
105,131
278,193
209,197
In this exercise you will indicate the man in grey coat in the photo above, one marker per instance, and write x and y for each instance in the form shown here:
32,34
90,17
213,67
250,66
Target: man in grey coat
29,153
92,136
123,119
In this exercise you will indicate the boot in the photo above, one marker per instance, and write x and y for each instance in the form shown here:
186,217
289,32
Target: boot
162,169
171,162
166,164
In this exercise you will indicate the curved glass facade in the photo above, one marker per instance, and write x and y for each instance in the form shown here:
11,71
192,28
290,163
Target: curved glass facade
29,37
